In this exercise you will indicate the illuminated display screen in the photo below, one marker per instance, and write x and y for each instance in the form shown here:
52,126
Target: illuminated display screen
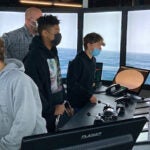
138,45
132,78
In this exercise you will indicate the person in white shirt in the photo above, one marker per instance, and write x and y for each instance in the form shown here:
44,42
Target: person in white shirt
20,104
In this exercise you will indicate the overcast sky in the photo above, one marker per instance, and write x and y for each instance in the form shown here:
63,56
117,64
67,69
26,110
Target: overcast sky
138,33
107,24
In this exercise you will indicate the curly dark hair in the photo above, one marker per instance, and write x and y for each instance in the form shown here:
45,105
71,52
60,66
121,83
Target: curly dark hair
46,21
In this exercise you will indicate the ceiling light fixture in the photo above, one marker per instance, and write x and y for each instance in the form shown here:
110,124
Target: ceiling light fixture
46,3
67,4
36,2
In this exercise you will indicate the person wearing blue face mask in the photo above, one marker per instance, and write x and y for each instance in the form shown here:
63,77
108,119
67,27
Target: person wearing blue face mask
96,52
81,71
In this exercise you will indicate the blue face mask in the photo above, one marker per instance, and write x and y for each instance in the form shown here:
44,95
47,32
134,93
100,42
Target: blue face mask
95,52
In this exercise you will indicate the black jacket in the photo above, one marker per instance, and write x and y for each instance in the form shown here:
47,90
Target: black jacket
36,67
80,78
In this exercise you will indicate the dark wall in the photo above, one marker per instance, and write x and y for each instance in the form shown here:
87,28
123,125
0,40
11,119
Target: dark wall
92,3
116,3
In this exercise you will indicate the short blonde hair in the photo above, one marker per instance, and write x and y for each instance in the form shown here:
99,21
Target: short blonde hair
1,50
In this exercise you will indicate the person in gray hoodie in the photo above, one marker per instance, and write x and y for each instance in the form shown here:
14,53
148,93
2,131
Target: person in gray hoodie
20,104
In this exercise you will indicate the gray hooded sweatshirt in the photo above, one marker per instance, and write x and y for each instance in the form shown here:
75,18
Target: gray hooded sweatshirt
20,106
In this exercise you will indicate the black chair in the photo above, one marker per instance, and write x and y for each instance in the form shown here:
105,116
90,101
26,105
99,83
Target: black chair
98,74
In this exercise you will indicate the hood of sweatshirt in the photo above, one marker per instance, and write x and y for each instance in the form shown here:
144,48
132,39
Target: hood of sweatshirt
12,64
38,47
20,106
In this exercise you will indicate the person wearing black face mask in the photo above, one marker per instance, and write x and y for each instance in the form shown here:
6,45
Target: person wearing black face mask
42,65
57,39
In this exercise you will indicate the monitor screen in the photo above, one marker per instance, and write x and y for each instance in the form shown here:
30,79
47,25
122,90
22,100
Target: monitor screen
138,45
108,24
99,137
132,78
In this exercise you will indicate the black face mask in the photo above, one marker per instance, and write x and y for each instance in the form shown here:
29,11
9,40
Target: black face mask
57,39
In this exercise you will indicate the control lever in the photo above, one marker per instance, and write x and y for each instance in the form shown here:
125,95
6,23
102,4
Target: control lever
100,102
98,118
124,100
120,108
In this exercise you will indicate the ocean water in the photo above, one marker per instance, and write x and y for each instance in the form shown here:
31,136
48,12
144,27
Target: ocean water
139,60
111,62
65,55
110,59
